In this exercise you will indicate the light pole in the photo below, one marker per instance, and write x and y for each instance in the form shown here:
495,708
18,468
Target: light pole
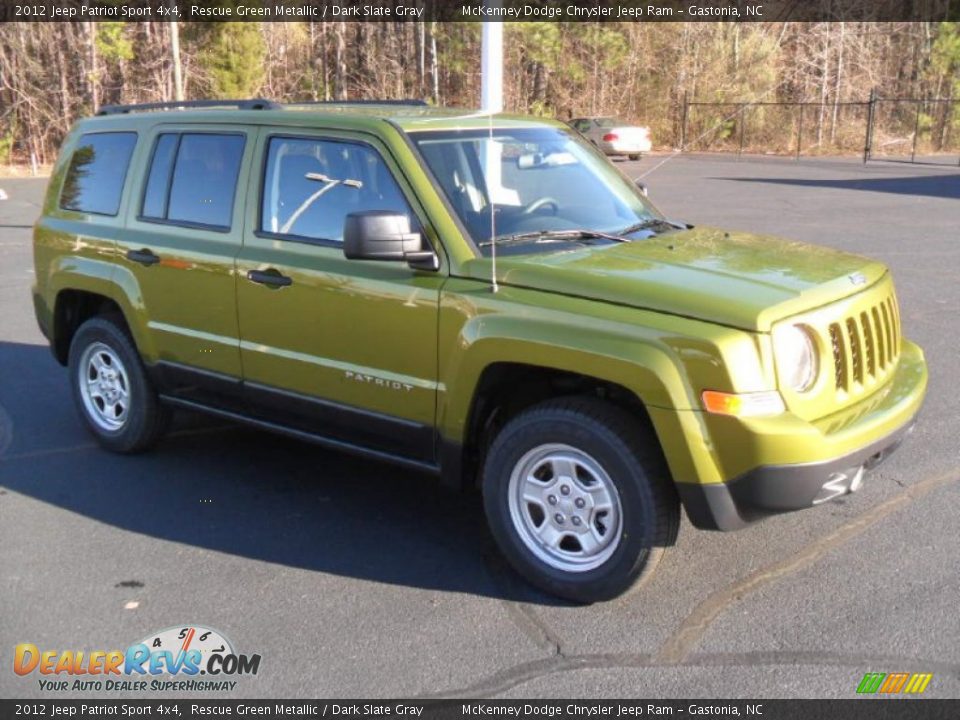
491,101
491,65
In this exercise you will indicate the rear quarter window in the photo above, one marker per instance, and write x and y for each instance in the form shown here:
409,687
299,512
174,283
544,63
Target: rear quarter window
97,171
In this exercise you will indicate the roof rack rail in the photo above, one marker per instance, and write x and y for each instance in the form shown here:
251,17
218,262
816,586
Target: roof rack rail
407,101
252,104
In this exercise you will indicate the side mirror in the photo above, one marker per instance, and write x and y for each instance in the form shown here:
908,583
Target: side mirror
642,187
384,235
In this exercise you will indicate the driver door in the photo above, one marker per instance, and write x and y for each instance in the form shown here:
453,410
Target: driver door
345,349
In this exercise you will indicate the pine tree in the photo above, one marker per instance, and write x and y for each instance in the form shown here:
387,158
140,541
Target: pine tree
235,60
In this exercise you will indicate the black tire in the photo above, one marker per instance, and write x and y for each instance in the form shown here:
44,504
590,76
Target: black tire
627,451
145,418
635,156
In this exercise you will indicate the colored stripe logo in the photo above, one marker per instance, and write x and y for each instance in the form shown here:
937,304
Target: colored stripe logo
892,683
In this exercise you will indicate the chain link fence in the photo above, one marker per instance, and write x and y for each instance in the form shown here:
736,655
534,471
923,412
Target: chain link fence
904,129
915,129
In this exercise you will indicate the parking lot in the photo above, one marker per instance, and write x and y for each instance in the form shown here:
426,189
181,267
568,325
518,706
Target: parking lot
356,579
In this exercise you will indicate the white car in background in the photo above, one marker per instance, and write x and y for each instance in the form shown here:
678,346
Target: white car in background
614,137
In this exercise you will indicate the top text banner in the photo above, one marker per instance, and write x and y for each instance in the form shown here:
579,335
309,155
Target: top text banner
478,10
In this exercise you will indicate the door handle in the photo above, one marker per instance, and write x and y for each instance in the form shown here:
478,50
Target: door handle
144,257
270,277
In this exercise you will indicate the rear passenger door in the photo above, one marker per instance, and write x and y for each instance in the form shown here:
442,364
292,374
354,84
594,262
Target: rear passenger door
342,348
179,250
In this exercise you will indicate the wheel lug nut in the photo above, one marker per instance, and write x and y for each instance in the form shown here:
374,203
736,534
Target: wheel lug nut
579,502
565,489
559,518
552,499
575,520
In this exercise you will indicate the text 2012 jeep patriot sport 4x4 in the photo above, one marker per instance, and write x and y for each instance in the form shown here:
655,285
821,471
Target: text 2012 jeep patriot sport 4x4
484,298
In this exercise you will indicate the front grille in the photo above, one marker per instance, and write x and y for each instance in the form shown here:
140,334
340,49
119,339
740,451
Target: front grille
865,345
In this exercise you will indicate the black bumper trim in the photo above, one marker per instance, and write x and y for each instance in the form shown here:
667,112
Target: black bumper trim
774,489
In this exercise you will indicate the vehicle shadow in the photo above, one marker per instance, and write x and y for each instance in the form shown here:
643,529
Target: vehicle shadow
248,493
938,186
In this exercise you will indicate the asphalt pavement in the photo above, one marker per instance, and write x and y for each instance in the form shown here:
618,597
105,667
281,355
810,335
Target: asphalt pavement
352,578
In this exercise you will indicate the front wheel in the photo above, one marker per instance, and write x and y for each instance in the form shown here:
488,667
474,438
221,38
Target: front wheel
578,498
111,389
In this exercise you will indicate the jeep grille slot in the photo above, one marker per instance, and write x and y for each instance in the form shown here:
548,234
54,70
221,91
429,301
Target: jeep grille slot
856,357
880,330
839,356
865,345
868,344
894,325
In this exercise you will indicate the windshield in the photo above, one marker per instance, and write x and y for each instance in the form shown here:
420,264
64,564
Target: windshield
541,180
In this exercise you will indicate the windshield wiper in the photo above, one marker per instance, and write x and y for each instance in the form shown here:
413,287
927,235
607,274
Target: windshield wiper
550,236
649,224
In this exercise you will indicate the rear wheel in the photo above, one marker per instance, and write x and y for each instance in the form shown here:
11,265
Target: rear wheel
111,389
634,156
578,498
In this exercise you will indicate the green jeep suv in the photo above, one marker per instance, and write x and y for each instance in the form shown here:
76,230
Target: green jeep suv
482,298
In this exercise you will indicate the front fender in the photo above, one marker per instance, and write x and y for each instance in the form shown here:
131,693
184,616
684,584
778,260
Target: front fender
646,370
664,360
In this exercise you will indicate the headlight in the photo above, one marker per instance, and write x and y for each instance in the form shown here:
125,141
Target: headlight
796,356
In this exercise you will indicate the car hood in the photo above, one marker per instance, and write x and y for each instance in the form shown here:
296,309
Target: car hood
736,279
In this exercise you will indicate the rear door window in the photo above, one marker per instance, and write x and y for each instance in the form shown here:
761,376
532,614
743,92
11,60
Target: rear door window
98,168
193,179
158,181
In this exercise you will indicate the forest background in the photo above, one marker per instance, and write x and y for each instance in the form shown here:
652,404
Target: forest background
654,74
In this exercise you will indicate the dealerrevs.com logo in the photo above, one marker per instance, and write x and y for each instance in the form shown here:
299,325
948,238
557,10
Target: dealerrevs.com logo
170,660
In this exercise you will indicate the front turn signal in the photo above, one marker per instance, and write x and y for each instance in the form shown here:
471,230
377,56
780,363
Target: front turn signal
754,404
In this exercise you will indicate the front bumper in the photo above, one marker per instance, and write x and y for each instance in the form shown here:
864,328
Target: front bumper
835,463
625,148
777,489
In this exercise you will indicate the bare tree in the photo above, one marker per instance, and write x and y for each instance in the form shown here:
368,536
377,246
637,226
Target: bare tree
175,60
53,73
